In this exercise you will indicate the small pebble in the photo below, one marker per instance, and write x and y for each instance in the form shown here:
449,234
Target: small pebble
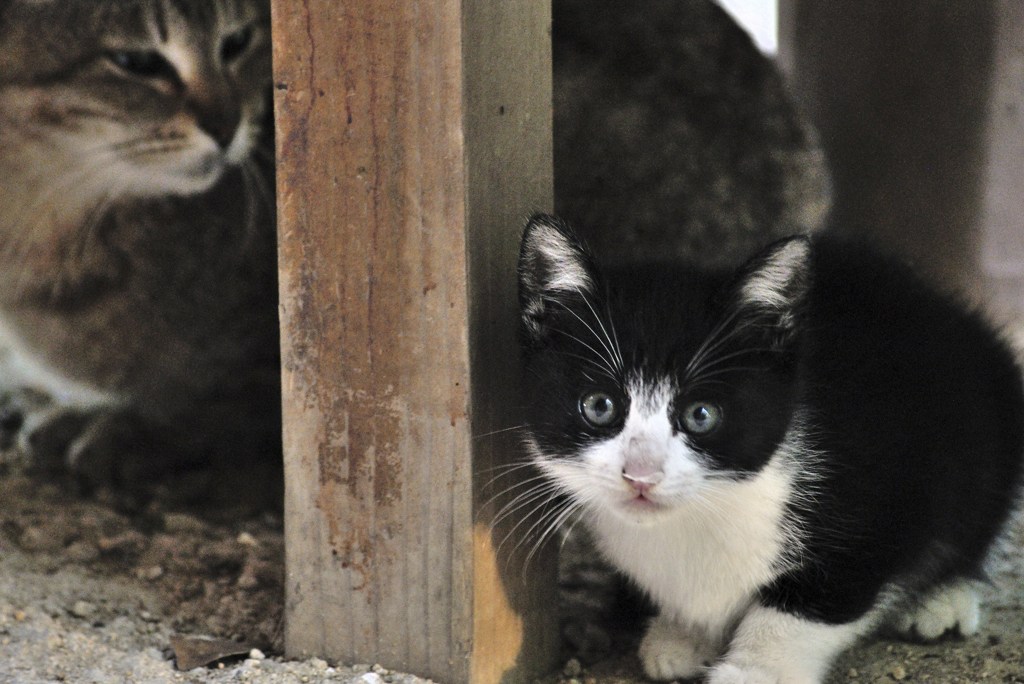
246,539
82,609
852,673
572,668
899,673
257,654
151,573
371,678
183,523
34,539
82,552
247,580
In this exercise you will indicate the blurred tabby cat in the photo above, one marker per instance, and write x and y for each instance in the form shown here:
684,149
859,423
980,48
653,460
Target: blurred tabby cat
137,268
675,137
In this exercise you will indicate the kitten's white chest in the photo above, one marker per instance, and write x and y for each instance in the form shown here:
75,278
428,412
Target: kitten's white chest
703,563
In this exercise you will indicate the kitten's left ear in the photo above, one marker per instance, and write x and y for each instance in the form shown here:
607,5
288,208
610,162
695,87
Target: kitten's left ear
775,283
554,266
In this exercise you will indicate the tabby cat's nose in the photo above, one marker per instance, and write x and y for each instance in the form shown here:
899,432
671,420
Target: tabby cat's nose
221,126
217,112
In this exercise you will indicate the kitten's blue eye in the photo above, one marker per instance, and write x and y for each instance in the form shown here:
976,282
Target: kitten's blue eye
701,418
599,409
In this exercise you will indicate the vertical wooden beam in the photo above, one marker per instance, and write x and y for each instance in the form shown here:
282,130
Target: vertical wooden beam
413,139
1003,213
507,61
899,92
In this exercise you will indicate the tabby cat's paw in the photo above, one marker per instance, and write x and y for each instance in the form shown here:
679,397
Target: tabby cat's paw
103,450
669,652
20,410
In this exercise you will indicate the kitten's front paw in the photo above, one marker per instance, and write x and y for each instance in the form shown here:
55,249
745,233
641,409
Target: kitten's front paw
669,652
727,673
949,609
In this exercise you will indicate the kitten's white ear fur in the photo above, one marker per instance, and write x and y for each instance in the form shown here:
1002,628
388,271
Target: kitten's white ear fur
553,265
776,281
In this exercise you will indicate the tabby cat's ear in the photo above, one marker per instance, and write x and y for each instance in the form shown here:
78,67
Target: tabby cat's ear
774,283
555,271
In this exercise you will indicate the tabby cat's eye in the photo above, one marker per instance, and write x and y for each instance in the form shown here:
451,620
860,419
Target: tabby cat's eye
701,418
144,63
599,409
235,44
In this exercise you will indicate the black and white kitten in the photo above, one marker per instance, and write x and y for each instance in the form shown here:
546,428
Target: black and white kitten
780,457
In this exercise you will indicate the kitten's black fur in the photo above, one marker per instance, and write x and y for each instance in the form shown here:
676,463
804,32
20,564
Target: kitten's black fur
899,411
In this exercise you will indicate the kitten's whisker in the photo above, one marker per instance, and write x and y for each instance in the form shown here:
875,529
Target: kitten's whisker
717,361
723,371
553,527
588,360
546,486
615,335
499,431
558,504
542,502
572,527
693,386
507,468
519,499
606,365
613,359
549,517
713,341
607,341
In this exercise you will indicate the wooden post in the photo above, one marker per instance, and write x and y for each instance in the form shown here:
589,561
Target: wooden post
1002,247
413,141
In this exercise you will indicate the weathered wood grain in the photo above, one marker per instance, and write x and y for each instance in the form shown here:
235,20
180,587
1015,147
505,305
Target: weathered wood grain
413,139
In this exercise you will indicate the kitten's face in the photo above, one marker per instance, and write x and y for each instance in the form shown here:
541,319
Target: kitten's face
652,388
133,97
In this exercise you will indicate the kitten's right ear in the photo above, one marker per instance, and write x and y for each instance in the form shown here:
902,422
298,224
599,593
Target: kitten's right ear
554,267
774,284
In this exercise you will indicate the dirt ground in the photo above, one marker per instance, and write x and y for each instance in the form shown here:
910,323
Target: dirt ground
91,595
88,594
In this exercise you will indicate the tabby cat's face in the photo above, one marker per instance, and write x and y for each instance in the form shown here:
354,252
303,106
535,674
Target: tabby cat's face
120,98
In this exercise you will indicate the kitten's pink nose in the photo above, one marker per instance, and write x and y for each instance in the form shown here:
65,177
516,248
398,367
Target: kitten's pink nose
639,486
641,476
